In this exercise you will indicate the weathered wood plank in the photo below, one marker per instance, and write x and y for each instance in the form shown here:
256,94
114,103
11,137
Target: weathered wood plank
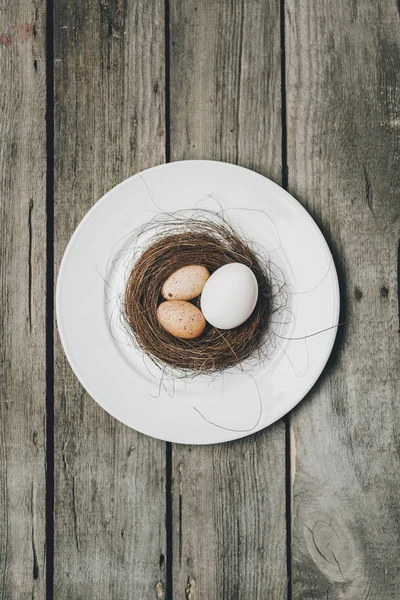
343,155
22,299
229,500
109,123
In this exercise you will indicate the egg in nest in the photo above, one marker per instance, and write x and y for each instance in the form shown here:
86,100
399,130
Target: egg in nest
181,319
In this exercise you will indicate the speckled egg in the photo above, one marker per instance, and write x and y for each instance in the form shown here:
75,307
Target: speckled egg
181,319
185,283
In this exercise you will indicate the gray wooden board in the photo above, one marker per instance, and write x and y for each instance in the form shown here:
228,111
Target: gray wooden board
110,539
22,300
343,93
228,501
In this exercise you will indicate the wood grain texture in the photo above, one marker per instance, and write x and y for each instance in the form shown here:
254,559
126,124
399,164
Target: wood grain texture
343,93
229,500
225,83
109,123
22,300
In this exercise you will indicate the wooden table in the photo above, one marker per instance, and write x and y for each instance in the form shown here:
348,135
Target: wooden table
305,92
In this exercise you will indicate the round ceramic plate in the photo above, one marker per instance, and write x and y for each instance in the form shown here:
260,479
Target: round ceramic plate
202,410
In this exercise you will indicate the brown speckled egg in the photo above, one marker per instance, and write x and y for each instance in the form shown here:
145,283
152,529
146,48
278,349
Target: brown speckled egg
185,283
181,319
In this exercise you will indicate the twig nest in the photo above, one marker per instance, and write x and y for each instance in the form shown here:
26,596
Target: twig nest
185,283
183,243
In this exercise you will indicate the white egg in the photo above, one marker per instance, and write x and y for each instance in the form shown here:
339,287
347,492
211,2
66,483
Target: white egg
229,296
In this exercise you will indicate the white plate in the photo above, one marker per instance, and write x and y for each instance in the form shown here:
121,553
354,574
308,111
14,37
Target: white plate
205,410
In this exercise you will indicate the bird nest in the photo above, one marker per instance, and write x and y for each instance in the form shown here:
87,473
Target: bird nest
210,241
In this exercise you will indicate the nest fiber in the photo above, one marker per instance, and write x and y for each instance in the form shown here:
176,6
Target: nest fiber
192,241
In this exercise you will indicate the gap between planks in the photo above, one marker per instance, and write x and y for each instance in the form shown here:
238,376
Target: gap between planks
285,185
49,299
